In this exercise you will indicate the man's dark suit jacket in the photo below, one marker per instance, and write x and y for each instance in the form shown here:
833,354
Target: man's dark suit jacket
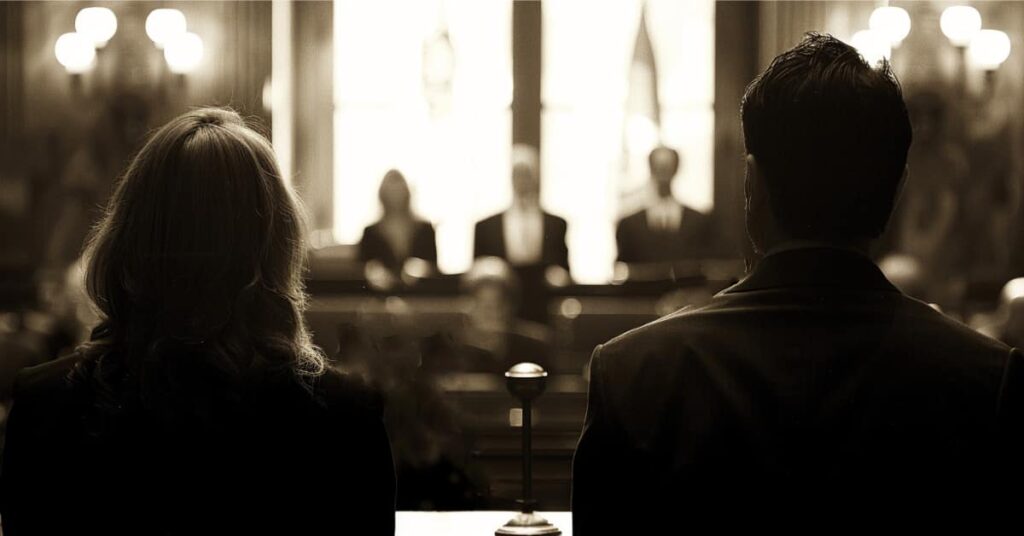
638,243
811,388
294,461
374,246
489,240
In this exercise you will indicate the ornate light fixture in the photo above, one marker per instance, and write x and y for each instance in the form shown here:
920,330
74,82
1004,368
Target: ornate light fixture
872,45
989,49
75,52
163,25
99,24
183,52
960,24
891,22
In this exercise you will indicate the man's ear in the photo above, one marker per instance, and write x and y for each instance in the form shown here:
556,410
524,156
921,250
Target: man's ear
753,183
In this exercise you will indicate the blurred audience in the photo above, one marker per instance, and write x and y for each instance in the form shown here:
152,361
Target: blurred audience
431,449
928,224
199,396
667,230
495,336
399,237
120,122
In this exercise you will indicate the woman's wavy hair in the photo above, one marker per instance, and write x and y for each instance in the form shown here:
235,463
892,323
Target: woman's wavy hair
196,269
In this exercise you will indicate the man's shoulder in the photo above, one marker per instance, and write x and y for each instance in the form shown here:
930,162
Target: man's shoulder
633,219
914,325
555,220
492,220
694,214
654,340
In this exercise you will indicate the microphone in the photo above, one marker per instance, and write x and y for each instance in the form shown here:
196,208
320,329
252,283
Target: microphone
526,381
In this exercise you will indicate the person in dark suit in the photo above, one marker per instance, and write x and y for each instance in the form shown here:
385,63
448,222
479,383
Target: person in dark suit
398,236
667,230
812,394
531,240
199,405
525,234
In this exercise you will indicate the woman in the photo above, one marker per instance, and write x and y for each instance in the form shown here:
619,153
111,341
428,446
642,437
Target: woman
199,404
399,235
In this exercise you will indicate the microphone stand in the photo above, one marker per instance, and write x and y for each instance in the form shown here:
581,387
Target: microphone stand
526,381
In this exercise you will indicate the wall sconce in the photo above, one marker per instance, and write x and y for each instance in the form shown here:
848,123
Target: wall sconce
99,24
873,46
75,52
162,25
183,52
989,49
960,24
891,22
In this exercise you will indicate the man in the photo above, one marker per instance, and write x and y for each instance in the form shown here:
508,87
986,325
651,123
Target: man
813,390
523,235
667,230
527,237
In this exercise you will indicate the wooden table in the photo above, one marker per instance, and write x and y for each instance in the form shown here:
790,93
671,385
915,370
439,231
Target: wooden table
478,523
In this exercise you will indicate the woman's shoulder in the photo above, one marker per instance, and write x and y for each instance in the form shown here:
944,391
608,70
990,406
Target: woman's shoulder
348,394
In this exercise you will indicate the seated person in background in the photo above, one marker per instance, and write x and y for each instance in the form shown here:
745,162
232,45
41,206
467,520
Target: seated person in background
1008,322
199,404
667,230
527,237
494,337
813,390
432,451
397,237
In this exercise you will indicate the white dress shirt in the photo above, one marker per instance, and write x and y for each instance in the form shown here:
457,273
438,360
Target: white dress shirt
665,214
524,233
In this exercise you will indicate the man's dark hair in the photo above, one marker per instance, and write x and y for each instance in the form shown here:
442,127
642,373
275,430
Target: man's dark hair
667,150
830,134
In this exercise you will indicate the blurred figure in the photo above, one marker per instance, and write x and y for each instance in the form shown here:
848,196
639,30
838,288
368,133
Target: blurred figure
1008,322
431,449
397,237
524,234
813,393
87,178
494,325
991,198
528,238
928,221
494,336
667,230
199,404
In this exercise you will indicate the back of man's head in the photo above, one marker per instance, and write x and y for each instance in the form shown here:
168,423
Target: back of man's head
830,135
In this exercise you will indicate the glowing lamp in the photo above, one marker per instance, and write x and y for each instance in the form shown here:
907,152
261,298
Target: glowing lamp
183,53
98,24
891,22
872,46
989,49
163,25
75,52
960,24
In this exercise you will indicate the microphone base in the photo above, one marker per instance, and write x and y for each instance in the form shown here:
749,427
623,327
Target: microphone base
527,524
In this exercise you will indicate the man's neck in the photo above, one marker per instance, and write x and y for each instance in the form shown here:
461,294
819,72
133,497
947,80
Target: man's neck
791,245
525,205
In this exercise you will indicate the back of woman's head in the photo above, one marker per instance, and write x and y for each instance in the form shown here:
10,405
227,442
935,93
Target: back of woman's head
199,255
